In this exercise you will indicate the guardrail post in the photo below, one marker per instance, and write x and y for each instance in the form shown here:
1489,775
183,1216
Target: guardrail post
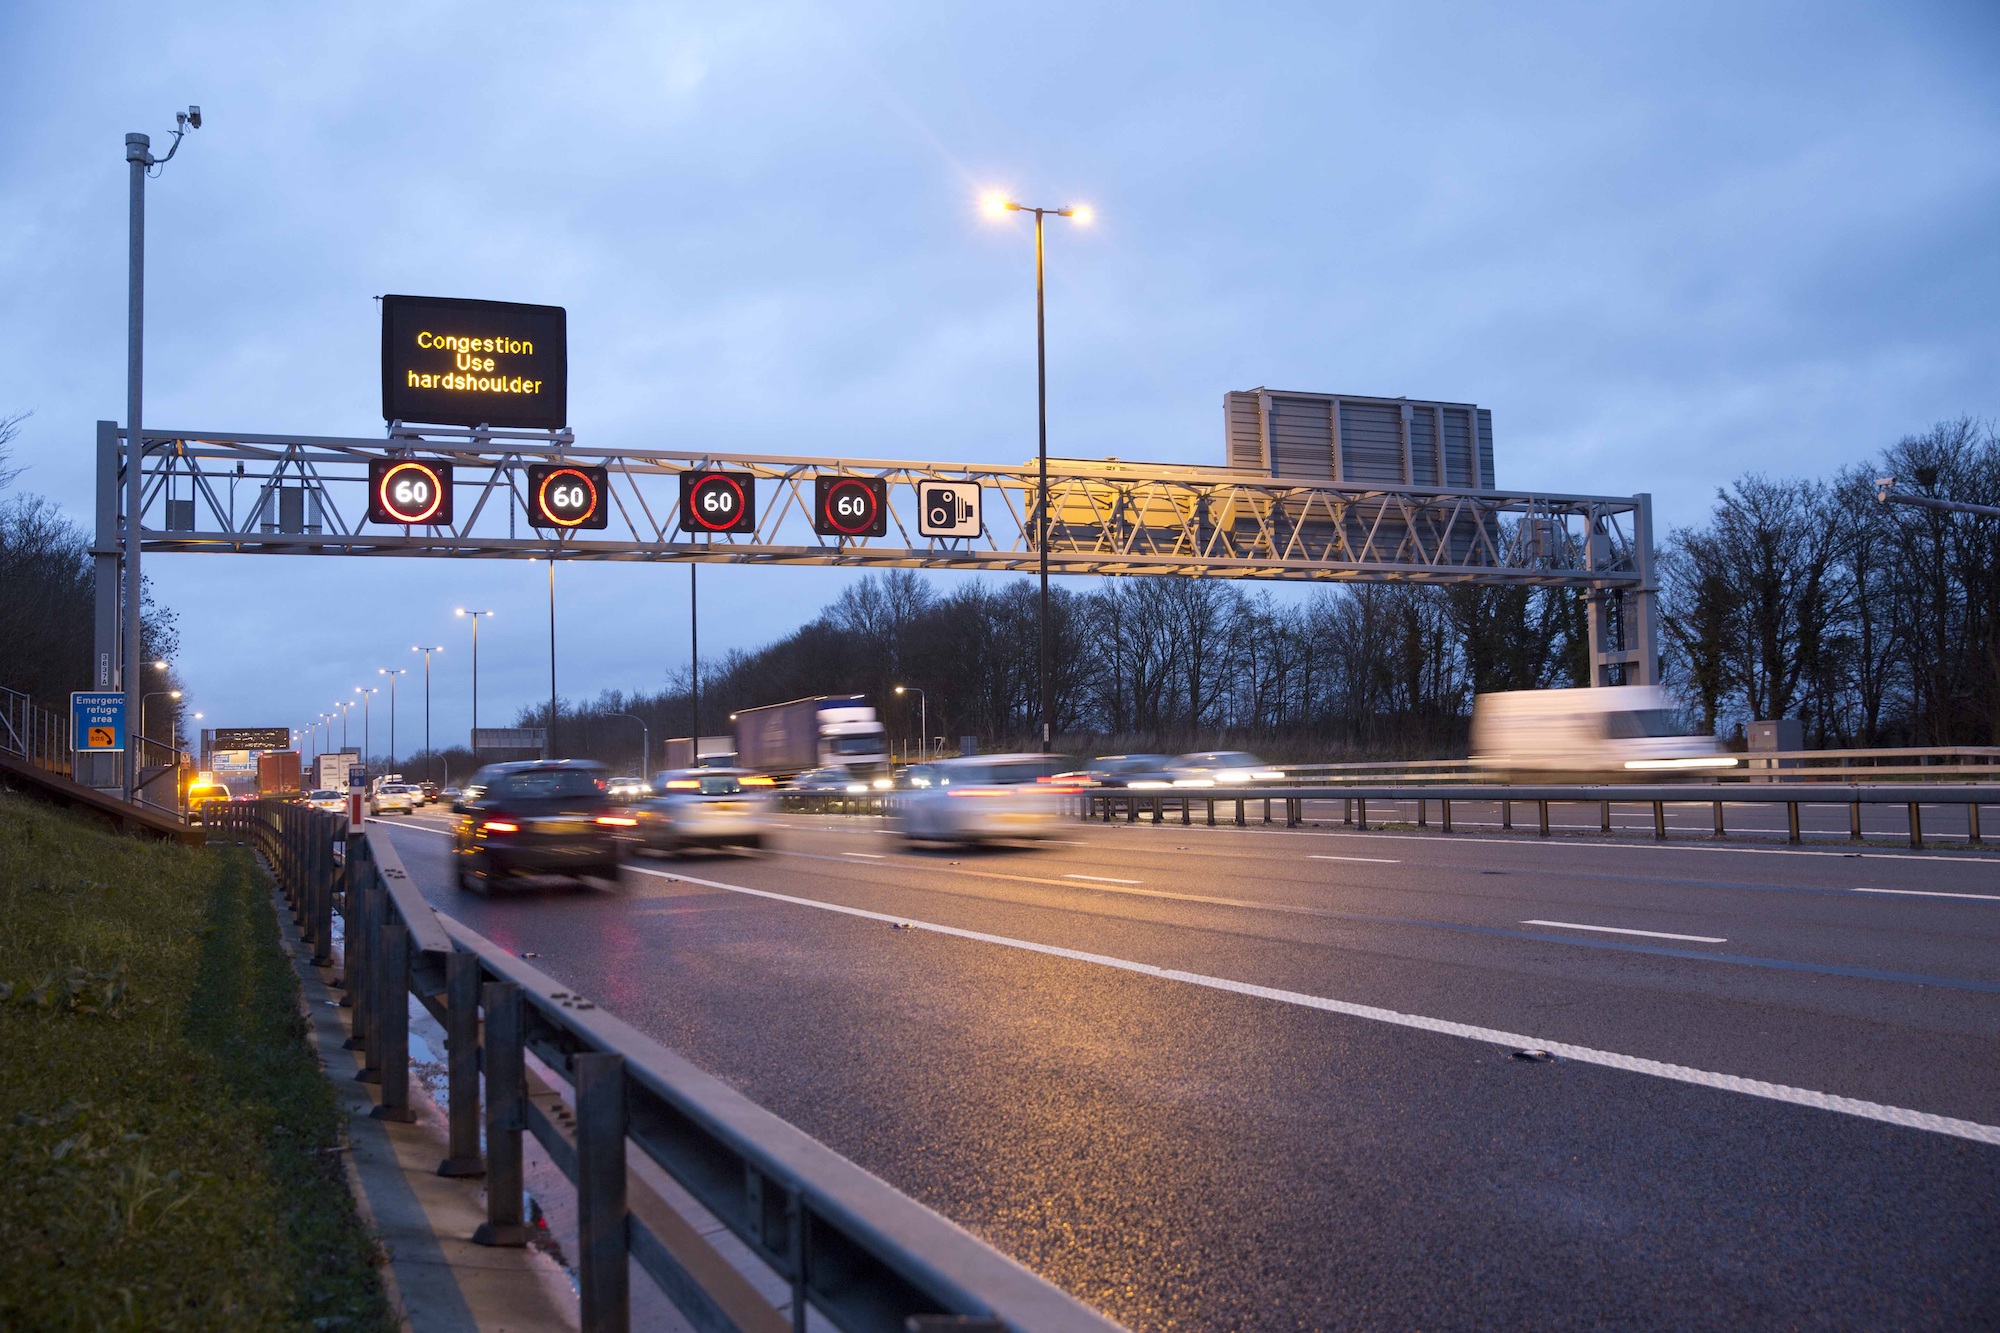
1131,809
355,954
1187,811
392,1016
1267,809
1444,802
323,897
1916,825
1660,820
1604,816
1211,812
1423,813
1718,819
1159,809
1361,813
1239,812
505,1074
602,1262
1545,818
1854,821
368,990
1506,814
1792,821
461,1047
1972,823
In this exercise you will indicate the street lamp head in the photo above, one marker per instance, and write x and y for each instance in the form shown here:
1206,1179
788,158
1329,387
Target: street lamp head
1081,213
173,694
459,612
995,204
899,689
159,666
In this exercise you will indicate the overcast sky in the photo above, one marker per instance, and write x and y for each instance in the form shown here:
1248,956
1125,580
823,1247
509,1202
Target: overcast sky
1664,244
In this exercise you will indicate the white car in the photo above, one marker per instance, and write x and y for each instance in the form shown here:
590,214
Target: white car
393,798
696,807
1219,768
326,798
990,798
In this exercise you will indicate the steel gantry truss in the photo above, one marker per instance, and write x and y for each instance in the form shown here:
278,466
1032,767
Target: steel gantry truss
207,491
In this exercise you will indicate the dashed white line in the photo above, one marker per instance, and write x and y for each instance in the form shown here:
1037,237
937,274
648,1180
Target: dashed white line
871,856
1104,879
1933,893
1374,860
1632,1064
1620,930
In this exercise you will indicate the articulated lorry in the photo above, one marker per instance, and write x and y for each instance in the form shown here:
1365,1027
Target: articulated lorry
828,731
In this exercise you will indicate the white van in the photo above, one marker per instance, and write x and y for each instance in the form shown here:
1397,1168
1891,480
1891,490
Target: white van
1630,733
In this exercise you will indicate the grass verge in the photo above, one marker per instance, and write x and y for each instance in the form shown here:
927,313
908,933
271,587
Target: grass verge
168,1144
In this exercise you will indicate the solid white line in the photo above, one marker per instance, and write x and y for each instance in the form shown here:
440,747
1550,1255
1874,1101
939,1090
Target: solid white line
1632,1064
1104,879
422,828
1619,930
872,856
1376,860
1932,893
1530,840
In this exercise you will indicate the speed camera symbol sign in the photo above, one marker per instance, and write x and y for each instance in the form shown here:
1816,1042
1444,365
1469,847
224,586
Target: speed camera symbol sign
948,508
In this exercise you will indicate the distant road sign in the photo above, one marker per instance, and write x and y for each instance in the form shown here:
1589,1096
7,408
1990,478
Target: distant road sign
97,721
718,502
471,363
409,490
567,495
850,506
252,738
948,509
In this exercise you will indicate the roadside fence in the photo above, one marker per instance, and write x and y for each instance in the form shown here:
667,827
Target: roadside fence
867,1257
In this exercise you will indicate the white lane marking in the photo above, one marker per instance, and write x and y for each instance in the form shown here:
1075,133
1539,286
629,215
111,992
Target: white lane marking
1376,860
872,856
1529,840
1931,893
1104,879
1619,930
1631,1064
421,828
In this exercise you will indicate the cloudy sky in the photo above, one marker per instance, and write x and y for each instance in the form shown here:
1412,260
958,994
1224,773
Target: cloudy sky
1665,244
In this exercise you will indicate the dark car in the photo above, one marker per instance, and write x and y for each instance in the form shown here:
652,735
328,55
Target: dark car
430,791
1125,770
549,817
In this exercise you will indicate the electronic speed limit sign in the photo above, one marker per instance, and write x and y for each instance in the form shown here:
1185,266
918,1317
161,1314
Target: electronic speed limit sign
850,506
567,495
718,502
409,491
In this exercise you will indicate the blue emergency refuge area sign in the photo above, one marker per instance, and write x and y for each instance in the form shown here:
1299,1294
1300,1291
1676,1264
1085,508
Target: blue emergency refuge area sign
97,721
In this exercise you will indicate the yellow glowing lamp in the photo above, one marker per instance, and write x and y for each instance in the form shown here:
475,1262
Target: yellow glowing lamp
1081,213
995,204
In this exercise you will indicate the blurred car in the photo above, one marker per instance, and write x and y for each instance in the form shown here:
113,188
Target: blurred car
1220,768
469,794
987,798
535,817
393,798
1122,770
628,789
829,780
205,793
427,793
697,807
1630,733
916,777
326,798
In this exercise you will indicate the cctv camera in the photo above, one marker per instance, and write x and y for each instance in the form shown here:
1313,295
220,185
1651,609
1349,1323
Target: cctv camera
194,117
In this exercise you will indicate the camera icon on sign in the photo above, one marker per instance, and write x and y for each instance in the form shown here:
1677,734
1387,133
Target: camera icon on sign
948,509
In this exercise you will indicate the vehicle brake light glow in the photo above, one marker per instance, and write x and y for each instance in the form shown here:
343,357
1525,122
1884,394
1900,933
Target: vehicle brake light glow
618,821
759,782
499,826
857,786
980,791
684,784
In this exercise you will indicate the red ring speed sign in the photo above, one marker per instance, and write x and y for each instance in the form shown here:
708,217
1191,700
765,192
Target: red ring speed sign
567,497
409,491
717,502
850,506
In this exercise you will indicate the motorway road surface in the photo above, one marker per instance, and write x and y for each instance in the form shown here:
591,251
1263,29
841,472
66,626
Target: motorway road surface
1267,1078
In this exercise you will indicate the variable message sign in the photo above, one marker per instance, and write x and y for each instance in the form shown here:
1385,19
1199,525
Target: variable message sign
251,738
97,721
850,506
566,495
718,502
409,490
474,363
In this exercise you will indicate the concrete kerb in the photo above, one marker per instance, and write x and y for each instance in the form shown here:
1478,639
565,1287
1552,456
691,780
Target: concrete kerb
437,1279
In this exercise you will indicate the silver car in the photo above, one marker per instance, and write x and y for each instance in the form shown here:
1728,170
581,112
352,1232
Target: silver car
990,798
696,807
393,798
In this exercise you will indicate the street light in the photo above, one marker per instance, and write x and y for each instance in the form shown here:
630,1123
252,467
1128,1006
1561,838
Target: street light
923,715
392,673
430,757
153,694
461,611
367,694
998,205
645,742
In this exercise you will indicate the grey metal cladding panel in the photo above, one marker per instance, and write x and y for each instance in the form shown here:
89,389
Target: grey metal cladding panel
1486,450
1423,446
1243,439
1460,465
1301,438
1371,439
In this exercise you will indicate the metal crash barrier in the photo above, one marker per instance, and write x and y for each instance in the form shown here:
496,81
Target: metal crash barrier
1289,801
846,1244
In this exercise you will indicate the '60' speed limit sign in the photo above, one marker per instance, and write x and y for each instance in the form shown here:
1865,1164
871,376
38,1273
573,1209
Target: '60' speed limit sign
409,490
567,495
718,502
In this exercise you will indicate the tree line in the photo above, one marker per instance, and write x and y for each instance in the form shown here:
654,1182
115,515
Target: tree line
1873,624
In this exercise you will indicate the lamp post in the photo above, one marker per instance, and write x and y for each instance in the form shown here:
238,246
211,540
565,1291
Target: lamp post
996,205
923,715
367,694
392,673
343,705
139,157
475,677
154,694
430,757
645,742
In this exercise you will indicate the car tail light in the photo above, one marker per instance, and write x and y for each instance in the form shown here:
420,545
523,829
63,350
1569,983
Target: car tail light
618,821
980,791
759,782
499,826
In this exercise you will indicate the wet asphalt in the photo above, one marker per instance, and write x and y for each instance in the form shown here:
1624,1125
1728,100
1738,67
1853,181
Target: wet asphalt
1184,1156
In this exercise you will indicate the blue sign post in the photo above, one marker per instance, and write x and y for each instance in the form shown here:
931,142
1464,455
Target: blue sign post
97,721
